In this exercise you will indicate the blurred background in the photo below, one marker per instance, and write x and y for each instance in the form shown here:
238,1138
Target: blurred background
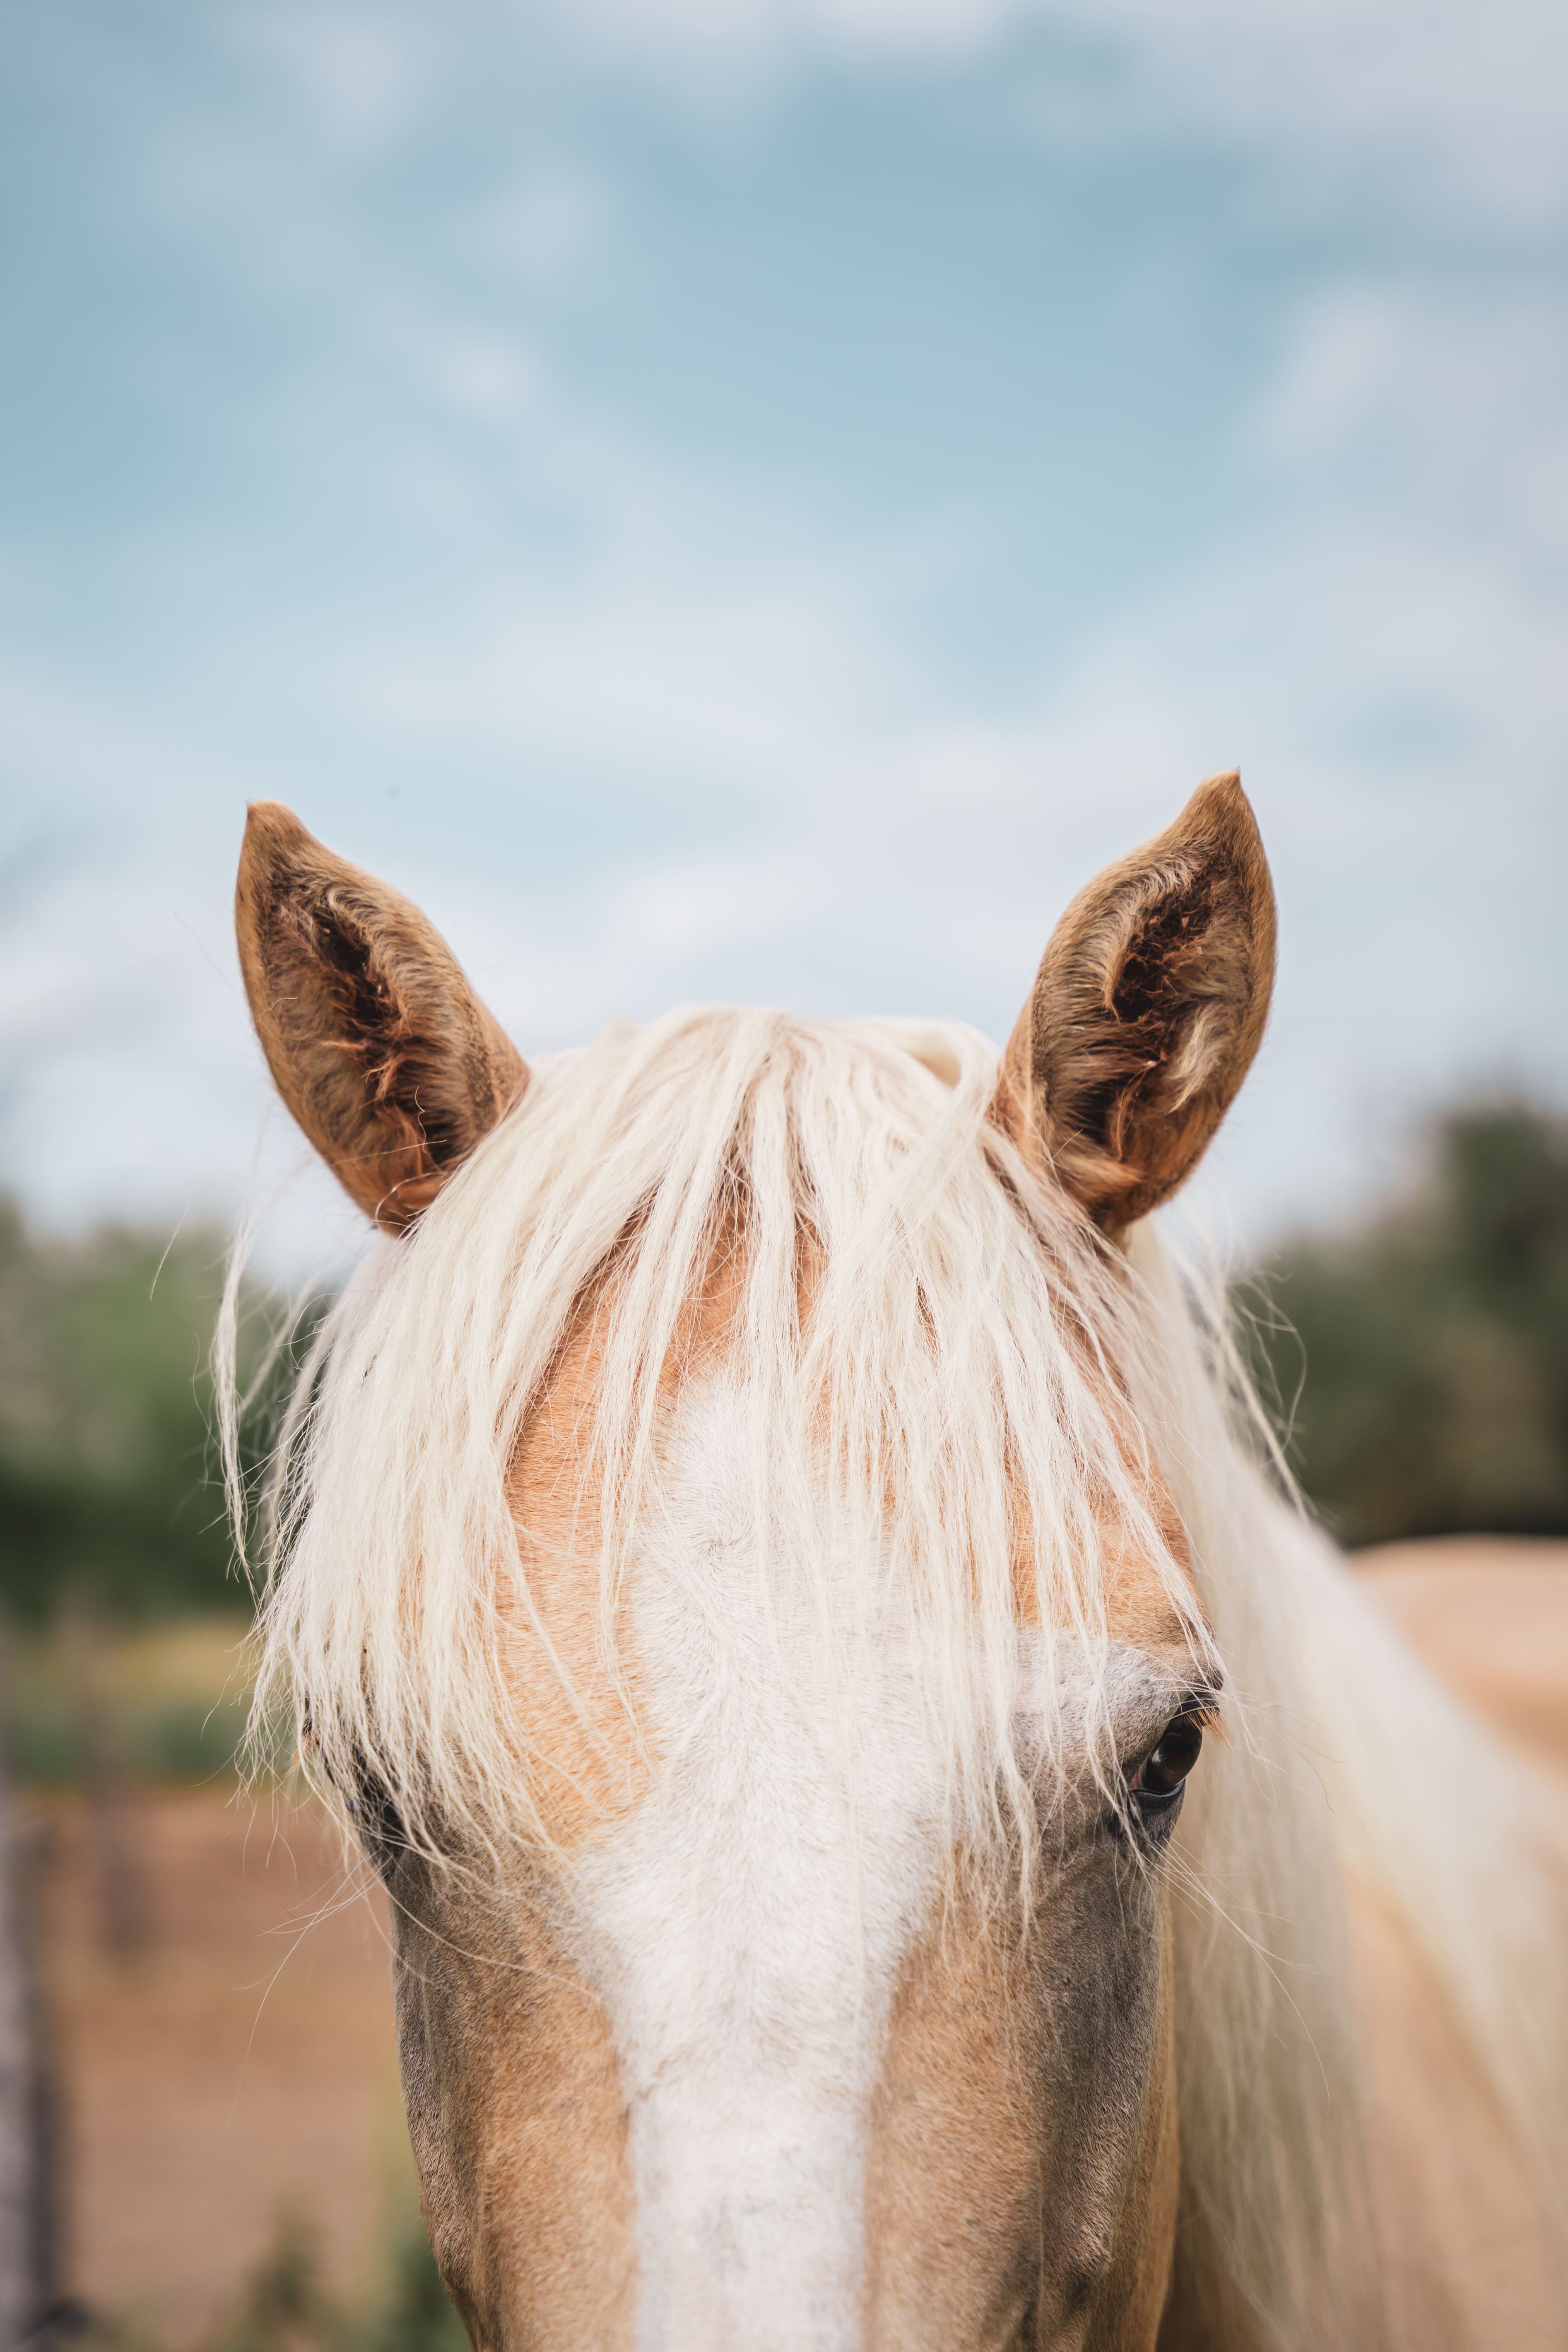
746,498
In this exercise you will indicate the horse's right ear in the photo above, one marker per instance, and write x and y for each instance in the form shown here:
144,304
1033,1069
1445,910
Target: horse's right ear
374,1039
1148,1009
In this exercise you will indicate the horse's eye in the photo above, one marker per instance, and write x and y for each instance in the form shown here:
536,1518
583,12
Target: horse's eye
1159,1779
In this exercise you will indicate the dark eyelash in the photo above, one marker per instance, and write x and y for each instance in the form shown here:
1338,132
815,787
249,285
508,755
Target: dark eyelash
1203,1708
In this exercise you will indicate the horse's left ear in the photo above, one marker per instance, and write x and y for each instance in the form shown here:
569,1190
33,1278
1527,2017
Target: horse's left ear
376,1041
1148,1009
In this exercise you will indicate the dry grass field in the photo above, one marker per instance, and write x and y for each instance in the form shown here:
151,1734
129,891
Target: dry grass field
237,2060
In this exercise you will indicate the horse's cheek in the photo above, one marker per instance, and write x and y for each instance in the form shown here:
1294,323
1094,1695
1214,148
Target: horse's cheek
433,2105
1131,2303
517,2118
1107,2107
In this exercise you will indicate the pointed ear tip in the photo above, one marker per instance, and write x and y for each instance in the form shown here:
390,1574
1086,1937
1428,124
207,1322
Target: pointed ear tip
268,813
1220,806
271,825
1222,795
276,850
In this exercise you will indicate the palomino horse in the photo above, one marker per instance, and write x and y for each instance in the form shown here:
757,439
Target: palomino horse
755,1556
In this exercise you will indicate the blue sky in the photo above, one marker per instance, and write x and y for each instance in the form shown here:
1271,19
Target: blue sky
758,498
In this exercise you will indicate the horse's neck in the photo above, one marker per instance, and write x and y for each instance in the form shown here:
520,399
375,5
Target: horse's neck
1466,2259
1467,2251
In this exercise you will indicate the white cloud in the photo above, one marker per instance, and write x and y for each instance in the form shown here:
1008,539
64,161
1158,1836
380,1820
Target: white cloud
1468,94
1444,93
545,224
793,799
1447,402
360,73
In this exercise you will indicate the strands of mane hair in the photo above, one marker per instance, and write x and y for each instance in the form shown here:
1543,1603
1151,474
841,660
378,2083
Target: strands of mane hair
1346,1760
951,1382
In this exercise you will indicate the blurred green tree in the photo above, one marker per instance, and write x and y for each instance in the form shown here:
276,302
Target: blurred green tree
1421,1360
107,1469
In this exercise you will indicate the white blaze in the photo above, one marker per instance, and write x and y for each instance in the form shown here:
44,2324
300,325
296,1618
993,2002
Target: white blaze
747,1926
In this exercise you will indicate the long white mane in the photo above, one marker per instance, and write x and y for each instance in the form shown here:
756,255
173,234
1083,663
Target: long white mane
947,1368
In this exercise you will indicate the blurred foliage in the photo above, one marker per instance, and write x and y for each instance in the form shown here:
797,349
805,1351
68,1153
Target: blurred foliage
288,2309
167,1700
1421,1360
286,2306
108,1484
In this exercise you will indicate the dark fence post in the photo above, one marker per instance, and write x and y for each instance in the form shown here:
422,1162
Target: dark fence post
28,2283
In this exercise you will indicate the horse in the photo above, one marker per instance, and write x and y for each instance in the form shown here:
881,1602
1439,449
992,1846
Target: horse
899,1830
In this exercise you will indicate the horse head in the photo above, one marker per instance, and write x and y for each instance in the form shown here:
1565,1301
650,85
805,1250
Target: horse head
733,1571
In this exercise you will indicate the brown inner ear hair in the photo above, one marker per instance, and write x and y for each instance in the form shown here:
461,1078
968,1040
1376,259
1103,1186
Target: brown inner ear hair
376,1043
1148,1009
400,1068
1156,1001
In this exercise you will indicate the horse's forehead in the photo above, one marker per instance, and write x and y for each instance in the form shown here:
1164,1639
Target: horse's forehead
1146,1608
588,1723
580,1718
